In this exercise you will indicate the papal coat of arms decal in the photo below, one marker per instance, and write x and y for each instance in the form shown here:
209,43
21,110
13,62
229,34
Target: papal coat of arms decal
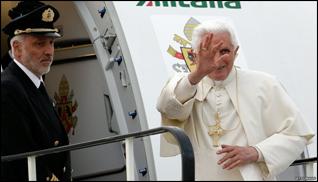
185,53
65,106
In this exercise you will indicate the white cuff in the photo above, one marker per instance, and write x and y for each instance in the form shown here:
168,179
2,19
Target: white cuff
185,90
260,155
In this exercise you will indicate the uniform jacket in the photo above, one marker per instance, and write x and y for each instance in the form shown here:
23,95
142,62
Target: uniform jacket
269,117
28,123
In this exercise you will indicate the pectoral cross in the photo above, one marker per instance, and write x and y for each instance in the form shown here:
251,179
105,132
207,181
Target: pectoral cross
216,130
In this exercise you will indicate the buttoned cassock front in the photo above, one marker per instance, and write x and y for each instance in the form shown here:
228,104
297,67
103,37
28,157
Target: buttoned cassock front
270,119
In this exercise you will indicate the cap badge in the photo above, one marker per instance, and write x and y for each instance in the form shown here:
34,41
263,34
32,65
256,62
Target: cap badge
48,15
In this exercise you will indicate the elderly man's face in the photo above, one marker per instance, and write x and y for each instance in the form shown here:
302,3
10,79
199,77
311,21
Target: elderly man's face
36,53
224,67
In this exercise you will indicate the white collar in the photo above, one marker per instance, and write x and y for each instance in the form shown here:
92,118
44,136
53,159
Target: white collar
224,82
32,76
207,83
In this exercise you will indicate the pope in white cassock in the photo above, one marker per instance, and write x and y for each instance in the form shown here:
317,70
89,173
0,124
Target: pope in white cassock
242,124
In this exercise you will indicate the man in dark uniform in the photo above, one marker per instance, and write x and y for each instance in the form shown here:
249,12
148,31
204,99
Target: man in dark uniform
28,119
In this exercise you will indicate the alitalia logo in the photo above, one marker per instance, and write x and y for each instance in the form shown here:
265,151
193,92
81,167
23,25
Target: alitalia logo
192,4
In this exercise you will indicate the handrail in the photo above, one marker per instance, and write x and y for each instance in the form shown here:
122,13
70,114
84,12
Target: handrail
187,155
304,161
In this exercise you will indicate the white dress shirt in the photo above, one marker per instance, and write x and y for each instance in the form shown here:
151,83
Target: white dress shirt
36,80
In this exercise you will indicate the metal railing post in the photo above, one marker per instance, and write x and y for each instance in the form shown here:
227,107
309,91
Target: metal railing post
130,160
32,168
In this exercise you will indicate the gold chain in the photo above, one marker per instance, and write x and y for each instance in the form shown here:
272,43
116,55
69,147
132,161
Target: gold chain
238,108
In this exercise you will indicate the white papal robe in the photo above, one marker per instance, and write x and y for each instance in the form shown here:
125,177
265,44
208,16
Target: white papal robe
266,119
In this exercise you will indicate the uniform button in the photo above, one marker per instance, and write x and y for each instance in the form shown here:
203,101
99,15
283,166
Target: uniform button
56,143
64,169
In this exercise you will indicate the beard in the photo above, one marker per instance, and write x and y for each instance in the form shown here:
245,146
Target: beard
39,67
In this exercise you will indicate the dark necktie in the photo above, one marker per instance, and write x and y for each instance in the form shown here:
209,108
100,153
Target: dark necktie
50,110
48,101
44,93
